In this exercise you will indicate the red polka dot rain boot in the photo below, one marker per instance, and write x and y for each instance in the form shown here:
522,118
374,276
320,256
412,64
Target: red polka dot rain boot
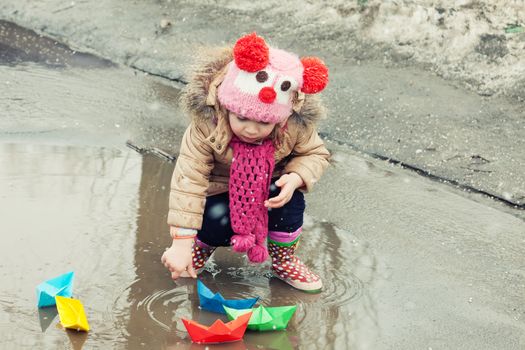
287,267
200,253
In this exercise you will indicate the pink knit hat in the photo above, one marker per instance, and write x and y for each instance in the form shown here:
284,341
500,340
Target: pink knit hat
261,81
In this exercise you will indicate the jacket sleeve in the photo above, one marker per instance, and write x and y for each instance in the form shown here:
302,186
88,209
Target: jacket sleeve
309,157
189,183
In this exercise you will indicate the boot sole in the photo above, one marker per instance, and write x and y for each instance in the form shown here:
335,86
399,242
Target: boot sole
298,287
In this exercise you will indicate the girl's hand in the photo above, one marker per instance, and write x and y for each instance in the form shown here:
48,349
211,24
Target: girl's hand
177,258
288,184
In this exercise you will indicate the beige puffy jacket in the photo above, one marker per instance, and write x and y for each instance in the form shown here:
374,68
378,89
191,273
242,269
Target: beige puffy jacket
203,165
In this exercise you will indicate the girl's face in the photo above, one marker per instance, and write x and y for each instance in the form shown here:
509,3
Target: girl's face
248,130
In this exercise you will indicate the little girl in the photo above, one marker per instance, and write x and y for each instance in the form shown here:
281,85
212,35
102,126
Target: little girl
250,151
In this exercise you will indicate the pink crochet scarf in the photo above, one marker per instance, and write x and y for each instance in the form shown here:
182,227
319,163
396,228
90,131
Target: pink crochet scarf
250,178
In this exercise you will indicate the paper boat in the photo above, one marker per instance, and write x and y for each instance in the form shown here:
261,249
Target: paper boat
265,318
71,313
47,290
214,301
218,332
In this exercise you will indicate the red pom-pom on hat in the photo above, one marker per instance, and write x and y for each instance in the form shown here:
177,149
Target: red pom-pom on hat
315,75
251,53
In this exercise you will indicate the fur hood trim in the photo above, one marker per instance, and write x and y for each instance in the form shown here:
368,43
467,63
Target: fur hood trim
209,63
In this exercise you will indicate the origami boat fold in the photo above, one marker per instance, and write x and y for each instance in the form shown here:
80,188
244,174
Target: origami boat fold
71,313
215,301
265,318
218,332
61,285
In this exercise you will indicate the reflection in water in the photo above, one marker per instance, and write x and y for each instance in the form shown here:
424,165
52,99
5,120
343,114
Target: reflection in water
151,238
283,340
91,219
77,339
156,304
46,316
18,45
68,208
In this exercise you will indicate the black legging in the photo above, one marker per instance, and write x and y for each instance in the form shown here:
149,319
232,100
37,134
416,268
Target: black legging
216,226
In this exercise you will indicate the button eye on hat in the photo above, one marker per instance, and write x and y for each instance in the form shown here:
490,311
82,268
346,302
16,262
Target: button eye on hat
261,81
285,85
261,76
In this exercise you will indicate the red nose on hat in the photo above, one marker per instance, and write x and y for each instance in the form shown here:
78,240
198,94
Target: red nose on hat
267,94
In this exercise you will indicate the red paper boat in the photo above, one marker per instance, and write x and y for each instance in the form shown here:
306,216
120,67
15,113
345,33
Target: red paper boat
218,332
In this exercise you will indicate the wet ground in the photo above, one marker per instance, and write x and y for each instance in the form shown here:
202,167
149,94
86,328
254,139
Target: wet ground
101,213
402,74
407,262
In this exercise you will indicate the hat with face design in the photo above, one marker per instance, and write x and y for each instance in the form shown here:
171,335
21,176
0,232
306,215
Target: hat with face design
262,81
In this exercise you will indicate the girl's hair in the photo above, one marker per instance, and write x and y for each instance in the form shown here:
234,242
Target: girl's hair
276,135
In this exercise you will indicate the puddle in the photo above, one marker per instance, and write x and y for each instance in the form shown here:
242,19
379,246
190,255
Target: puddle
101,213
78,106
19,45
418,265
53,94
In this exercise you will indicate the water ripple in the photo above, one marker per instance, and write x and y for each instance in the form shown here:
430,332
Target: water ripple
163,307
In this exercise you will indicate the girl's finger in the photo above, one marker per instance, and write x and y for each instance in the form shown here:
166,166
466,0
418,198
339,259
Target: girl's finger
191,271
175,274
282,180
278,204
276,198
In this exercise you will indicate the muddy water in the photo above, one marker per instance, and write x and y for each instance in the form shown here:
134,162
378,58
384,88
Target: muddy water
418,264
101,213
79,200
18,45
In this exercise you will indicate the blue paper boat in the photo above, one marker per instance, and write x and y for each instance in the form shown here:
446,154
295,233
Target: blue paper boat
214,301
48,290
